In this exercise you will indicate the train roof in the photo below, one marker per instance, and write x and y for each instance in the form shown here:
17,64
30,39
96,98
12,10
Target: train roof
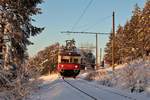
69,54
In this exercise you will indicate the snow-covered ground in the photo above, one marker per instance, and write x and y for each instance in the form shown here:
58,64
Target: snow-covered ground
52,87
55,88
48,78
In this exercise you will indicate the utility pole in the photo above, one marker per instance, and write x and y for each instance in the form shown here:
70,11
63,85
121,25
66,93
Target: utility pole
100,55
96,67
113,41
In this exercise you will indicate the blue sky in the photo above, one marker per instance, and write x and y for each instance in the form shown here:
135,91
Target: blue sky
61,15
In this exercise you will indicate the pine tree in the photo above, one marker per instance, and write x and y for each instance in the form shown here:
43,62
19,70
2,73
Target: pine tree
108,50
16,22
130,40
144,31
119,44
44,59
16,25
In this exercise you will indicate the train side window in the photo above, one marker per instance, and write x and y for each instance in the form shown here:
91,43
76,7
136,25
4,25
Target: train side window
70,60
1,56
75,60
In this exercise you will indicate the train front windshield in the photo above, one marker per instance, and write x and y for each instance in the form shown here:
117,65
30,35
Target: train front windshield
69,59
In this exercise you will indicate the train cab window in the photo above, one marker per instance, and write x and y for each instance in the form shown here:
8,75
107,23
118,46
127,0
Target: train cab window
65,60
75,60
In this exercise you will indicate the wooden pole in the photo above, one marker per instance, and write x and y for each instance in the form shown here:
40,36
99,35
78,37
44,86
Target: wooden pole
100,55
96,67
113,41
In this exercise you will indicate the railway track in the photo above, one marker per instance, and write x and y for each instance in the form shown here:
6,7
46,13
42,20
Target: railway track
85,93
94,98
113,92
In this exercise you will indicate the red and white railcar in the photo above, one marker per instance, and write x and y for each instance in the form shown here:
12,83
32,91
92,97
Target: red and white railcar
69,64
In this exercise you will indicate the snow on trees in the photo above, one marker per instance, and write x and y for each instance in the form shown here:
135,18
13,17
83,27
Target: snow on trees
132,40
46,59
15,30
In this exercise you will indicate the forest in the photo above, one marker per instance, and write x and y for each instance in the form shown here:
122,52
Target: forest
132,41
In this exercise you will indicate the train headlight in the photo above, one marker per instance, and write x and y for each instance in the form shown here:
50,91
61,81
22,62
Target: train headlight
62,66
76,66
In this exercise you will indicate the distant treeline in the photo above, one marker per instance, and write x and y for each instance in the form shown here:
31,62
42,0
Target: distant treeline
132,40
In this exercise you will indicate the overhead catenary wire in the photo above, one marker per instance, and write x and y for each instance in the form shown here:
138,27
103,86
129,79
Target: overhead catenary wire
82,14
97,22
